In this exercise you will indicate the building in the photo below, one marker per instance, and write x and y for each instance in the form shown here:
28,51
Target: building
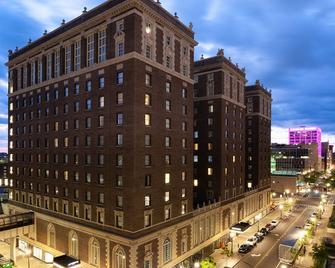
305,135
258,136
219,118
101,142
327,156
293,159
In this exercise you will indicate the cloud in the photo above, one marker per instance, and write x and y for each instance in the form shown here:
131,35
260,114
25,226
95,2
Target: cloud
3,84
213,10
49,13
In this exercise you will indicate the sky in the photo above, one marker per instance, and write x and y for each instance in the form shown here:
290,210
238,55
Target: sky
288,45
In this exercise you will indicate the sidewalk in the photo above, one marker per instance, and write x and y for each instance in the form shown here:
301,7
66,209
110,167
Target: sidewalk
22,260
224,261
321,231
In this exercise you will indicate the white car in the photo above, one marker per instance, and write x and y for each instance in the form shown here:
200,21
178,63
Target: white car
252,241
274,223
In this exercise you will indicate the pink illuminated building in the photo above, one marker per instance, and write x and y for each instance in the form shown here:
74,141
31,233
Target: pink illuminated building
305,135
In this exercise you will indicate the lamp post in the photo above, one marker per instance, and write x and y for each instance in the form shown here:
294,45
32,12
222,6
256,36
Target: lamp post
196,264
258,218
281,210
27,253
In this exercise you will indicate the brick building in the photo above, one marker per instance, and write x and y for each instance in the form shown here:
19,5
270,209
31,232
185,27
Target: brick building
258,136
219,118
101,146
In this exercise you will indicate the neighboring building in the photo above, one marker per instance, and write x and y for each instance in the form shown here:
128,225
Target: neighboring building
219,118
327,156
305,135
293,159
258,136
100,142
284,184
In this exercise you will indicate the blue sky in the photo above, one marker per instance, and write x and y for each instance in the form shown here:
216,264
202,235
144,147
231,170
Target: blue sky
288,45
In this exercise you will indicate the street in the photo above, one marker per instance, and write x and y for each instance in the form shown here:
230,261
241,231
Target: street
265,253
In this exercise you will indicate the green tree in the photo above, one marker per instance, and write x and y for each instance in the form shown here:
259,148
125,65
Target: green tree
208,263
319,255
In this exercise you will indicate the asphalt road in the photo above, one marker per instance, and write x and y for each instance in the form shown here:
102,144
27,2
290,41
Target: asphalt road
265,254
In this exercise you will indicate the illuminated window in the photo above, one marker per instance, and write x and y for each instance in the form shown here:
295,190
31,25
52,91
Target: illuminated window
147,120
209,171
196,146
167,178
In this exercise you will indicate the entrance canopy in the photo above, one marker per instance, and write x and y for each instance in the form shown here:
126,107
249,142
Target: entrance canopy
65,261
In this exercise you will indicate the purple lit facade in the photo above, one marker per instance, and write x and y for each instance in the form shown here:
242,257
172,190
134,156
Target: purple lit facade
305,135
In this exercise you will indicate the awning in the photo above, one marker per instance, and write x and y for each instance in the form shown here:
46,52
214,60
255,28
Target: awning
240,227
65,261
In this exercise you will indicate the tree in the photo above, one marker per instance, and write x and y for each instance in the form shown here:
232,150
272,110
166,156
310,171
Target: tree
208,263
319,255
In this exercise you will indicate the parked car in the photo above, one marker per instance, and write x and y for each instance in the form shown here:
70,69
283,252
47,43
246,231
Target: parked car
259,236
245,248
252,241
264,231
269,226
274,223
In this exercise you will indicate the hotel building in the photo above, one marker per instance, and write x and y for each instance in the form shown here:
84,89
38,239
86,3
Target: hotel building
101,142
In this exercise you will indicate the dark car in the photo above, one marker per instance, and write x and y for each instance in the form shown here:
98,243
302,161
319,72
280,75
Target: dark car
264,231
259,236
245,248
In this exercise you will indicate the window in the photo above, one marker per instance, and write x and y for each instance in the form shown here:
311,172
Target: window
73,244
89,85
102,46
168,123
119,99
147,200
167,159
88,196
167,213
119,78
147,140
51,236
184,93
209,171
94,252
68,59
120,257
101,82
101,121
167,196
147,160
147,100
120,49
148,80
147,180
119,201
147,218
167,178
168,105
88,104
183,192
168,87
211,108
167,250
119,159
119,222
90,50
101,179
147,120
119,181
119,119
77,55
119,139
167,142
101,101
148,51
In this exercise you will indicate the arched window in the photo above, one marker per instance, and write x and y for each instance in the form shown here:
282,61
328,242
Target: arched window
51,236
167,250
119,257
73,244
94,252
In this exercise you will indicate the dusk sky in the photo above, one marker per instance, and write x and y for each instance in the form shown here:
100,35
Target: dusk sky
288,45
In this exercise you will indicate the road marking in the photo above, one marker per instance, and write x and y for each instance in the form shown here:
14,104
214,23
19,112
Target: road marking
288,229
255,254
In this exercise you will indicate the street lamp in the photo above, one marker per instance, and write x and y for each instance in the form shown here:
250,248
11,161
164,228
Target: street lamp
196,264
27,253
258,217
281,210
232,235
